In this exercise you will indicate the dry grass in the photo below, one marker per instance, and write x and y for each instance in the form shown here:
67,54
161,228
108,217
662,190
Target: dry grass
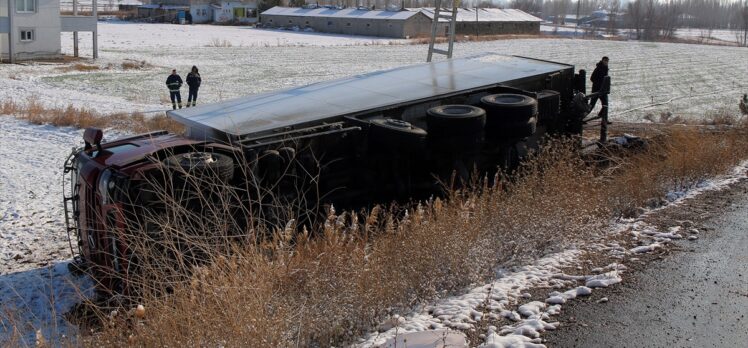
682,158
216,42
722,116
289,289
135,65
71,116
79,67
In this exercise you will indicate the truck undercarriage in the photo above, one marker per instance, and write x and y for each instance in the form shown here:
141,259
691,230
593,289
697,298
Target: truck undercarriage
398,135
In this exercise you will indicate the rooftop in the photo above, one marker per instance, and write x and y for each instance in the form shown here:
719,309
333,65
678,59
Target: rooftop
483,15
339,13
463,14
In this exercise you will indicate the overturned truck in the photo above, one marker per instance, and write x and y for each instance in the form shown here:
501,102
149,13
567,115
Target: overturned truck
390,135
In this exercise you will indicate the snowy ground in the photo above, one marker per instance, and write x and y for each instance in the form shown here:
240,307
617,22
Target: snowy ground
122,35
31,216
38,300
642,73
705,35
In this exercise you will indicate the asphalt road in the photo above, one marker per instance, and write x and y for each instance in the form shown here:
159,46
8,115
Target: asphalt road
697,297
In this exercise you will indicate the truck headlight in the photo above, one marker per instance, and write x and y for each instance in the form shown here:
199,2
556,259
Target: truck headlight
106,186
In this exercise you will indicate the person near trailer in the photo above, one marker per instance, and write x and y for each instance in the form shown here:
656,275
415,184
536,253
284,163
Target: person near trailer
193,82
598,75
174,83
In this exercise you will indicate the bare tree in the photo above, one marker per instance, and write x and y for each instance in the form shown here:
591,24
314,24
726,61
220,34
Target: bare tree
636,17
668,19
742,34
613,9
530,6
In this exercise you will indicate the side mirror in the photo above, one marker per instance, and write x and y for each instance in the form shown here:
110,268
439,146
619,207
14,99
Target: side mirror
605,88
92,137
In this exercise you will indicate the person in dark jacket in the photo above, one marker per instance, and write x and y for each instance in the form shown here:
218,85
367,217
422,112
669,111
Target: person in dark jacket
174,83
598,75
193,82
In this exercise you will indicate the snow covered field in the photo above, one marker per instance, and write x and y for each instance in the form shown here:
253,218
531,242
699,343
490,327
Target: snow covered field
261,60
31,221
714,36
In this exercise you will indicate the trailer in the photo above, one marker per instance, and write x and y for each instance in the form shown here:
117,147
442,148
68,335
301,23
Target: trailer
393,135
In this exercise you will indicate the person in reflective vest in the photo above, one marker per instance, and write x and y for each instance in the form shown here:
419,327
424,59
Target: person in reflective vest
174,83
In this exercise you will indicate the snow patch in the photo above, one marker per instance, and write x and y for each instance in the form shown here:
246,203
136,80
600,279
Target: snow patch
603,280
38,299
494,340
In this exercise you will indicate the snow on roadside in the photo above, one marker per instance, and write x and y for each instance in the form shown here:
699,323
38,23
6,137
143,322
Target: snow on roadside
496,299
34,302
463,311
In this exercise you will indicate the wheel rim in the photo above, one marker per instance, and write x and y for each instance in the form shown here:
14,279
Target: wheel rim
194,157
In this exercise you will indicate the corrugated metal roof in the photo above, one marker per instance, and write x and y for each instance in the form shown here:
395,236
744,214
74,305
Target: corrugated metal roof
339,13
484,15
165,7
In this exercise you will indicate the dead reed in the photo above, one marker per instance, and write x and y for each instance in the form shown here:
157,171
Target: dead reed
70,116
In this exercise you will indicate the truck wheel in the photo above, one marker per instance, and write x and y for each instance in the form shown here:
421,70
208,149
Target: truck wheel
514,130
396,135
507,108
203,163
448,121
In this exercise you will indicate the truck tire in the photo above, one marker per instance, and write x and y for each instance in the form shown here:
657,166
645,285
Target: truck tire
396,135
513,130
203,163
508,108
449,121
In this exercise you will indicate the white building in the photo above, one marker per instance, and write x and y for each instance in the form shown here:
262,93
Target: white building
30,29
236,11
218,11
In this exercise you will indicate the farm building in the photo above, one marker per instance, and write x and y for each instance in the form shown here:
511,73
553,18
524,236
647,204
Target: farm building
414,22
202,11
30,29
350,21
489,21
162,13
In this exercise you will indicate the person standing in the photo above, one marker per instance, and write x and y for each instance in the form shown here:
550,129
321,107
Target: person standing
174,83
193,82
598,75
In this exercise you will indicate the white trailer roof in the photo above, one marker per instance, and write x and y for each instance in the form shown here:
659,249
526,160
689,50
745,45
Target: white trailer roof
338,13
330,100
484,15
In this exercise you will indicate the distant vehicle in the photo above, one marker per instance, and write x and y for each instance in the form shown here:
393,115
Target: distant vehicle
371,138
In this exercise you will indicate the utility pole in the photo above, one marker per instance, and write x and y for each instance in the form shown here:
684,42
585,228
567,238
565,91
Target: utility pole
476,20
11,30
96,31
577,26
75,33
